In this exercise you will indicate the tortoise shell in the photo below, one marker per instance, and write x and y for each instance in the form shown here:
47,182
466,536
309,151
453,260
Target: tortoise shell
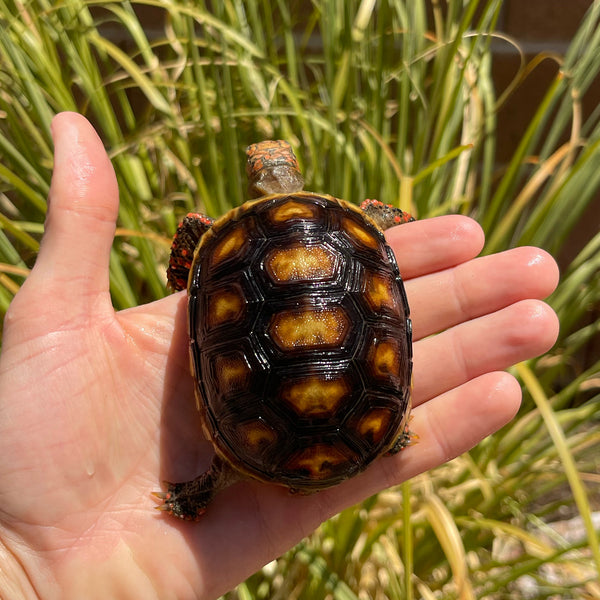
300,340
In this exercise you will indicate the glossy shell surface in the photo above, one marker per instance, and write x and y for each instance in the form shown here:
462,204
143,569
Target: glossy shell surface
300,340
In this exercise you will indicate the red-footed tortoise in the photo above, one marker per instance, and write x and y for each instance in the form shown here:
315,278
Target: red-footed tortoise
300,336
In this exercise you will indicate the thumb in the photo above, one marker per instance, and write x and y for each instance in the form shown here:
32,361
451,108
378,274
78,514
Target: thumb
71,270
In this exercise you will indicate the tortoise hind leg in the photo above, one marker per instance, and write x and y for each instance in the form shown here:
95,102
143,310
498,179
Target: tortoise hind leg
188,234
405,439
188,500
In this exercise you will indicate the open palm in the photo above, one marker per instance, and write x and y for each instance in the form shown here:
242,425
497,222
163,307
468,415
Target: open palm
96,407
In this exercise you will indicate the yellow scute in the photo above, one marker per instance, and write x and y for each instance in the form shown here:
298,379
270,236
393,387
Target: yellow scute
233,242
301,263
318,460
292,210
315,396
225,306
385,359
379,292
309,328
374,424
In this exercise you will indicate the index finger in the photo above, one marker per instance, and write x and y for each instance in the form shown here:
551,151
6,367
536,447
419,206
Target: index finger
431,245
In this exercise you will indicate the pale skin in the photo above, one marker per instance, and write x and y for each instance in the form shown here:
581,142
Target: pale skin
97,408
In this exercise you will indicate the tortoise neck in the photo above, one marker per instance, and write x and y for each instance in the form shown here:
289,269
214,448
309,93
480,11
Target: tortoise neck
275,179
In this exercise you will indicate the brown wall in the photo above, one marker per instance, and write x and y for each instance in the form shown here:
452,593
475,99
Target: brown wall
537,25
547,21
540,25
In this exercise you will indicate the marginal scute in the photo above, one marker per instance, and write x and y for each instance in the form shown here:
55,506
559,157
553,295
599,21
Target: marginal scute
315,396
299,262
311,327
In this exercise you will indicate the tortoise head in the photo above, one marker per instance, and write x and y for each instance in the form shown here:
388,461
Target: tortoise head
272,168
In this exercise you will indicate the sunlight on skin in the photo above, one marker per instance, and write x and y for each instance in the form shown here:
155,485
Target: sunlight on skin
97,408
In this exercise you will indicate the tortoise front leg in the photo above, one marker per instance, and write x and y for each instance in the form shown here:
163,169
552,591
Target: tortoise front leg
385,215
187,237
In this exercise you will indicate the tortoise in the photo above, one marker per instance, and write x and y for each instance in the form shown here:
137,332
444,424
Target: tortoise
300,335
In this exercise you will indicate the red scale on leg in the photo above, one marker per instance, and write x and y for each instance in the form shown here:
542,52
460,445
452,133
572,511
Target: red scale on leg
385,215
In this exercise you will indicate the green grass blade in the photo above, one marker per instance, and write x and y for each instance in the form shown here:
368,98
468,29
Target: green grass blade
573,475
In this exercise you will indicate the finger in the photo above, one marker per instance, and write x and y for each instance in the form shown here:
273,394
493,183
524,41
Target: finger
82,213
431,245
450,425
483,285
490,343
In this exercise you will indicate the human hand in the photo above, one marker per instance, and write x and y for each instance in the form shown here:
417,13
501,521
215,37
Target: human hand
97,407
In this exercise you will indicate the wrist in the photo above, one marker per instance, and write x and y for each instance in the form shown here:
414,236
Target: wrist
15,583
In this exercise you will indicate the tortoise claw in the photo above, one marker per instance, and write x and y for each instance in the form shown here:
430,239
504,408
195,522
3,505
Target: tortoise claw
162,498
160,495
173,502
